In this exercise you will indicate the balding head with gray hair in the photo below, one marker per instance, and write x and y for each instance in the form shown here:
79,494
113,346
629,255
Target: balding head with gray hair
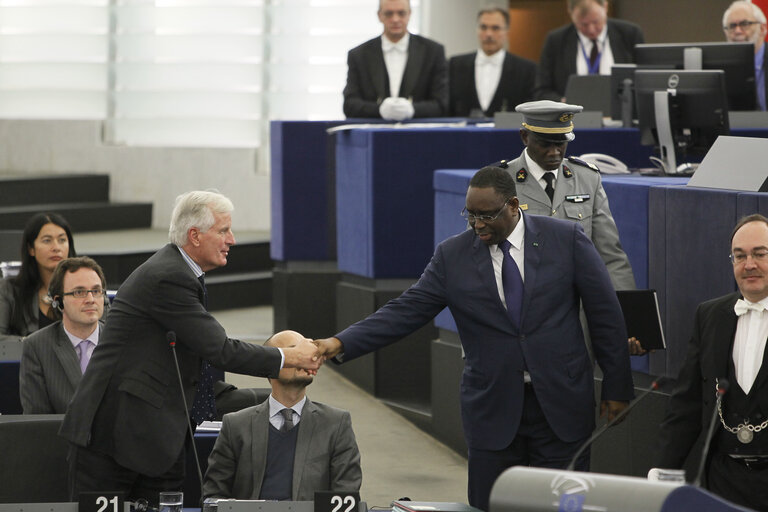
196,209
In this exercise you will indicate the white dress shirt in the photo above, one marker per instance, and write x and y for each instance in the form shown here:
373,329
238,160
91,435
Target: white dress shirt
749,345
395,58
276,418
487,75
585,47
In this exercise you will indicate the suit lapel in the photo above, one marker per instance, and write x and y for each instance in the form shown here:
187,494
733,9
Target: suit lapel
413,67
563,187
571,50
619,51
378,69
497,103
533,190
720,343
260,435
67,357
532,260
484,264
303,444
470,72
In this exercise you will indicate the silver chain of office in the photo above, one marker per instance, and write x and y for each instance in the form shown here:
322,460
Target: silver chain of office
745,432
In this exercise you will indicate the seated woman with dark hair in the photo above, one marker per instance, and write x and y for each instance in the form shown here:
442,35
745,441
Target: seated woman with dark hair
24,302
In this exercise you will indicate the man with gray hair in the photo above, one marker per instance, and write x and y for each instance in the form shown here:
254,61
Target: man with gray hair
128,419
744,22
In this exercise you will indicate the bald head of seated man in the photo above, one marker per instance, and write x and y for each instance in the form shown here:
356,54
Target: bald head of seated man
285,448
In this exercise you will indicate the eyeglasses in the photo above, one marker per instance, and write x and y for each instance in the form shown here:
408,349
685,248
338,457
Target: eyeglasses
743,25
472,218
741,257
81,293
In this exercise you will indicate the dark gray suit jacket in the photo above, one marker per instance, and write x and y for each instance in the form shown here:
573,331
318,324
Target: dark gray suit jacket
515,85
128,405
50,371
327,458
558,56
425,79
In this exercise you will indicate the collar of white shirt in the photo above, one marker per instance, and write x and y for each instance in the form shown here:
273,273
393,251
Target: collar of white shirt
497,59
586,42
275,407
536,170
516,237
401,45
93,337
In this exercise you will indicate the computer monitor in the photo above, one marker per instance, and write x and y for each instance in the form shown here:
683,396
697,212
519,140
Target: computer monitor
681,112
736,59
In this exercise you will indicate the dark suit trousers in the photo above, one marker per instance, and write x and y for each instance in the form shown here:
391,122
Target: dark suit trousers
534,445
91,471
737,483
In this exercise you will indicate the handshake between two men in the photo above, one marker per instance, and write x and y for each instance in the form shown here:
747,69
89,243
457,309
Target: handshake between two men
311,354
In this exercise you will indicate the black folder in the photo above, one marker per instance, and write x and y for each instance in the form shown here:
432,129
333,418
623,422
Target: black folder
641,316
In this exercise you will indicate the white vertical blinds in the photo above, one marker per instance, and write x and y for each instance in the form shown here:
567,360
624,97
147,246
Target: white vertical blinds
180,72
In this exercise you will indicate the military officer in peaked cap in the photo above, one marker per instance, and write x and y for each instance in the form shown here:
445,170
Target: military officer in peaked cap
549,183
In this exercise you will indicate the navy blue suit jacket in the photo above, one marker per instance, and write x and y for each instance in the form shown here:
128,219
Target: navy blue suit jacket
561,267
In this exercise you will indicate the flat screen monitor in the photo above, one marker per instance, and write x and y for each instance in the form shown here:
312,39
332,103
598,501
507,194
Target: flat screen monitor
697,110
736,59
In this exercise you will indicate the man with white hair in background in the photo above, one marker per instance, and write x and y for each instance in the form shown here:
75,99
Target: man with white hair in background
128,420
744,22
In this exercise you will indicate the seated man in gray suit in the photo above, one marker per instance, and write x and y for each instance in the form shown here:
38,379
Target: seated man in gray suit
285,448
54,358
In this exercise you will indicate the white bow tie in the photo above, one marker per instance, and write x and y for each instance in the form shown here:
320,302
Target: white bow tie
743,306
400,46
484,60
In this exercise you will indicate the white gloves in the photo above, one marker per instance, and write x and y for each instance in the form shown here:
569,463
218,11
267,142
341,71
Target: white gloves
396,109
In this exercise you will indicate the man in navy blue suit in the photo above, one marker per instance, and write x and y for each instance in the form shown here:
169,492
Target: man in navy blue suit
527,395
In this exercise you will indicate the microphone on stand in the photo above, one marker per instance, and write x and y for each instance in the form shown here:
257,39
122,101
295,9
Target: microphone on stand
722,388
171,338
599,432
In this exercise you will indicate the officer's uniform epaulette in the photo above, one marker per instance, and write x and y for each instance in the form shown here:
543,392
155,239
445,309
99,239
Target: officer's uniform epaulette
588,165
504,164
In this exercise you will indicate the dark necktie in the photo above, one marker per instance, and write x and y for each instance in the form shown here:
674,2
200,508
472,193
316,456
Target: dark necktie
204,407
513,284
549,177
288,416
593,54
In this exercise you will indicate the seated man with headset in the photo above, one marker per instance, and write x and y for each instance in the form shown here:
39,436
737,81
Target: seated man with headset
54,358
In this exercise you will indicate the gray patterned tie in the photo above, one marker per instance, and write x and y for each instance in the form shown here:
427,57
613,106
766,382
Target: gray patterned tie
288,416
